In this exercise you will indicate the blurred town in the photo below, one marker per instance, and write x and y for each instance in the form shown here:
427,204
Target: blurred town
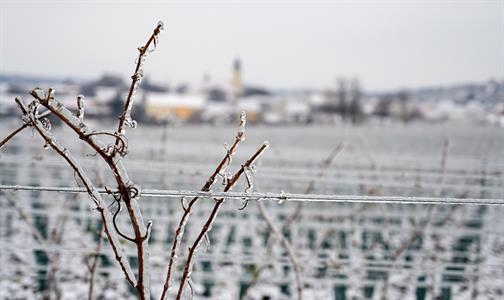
217,102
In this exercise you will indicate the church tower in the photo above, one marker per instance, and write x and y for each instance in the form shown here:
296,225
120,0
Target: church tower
236,83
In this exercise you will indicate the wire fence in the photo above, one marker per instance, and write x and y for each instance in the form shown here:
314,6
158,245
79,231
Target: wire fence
340,239
280,197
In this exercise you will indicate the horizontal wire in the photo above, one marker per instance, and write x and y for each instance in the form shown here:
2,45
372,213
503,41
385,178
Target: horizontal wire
281,197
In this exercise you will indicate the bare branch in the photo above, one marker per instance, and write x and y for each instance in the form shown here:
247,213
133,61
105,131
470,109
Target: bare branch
211,218
125,117
12,134
24,110
179,232
96,197
129,192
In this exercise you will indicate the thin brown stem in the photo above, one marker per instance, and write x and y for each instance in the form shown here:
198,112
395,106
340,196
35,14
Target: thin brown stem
96,197
12,134
240,137
124,185
211,218
135,79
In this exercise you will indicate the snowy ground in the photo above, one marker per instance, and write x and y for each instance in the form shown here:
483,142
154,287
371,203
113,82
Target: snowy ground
347,251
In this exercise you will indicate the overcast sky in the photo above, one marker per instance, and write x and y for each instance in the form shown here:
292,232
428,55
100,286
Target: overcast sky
387,44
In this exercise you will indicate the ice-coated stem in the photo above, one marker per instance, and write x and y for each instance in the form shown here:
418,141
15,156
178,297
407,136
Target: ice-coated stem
211,218
125,116
240,137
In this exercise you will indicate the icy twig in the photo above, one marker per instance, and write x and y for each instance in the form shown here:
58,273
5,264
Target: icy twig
31,119
98,200
12,134
179,232
125,117
24,110
129,193
211,218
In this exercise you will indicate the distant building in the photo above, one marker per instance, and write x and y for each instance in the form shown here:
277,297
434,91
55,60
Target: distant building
184,107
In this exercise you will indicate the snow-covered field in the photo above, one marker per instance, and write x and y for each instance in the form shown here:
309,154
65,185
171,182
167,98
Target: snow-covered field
346,251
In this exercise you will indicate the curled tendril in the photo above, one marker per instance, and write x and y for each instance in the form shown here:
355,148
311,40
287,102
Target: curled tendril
224,177
244,204
147,231
114,217
249,176
121,148
133,191
115,194
46,123
33,107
